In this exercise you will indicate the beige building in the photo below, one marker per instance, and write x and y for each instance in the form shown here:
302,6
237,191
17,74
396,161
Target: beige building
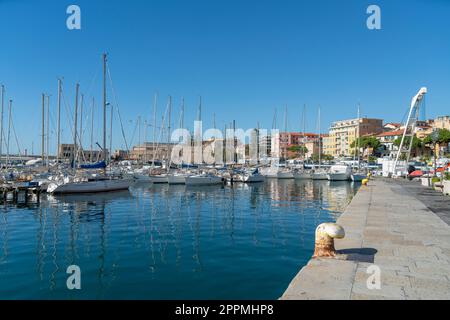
343,133
442,123
66,151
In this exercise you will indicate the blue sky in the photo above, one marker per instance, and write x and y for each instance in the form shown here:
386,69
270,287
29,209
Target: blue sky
245,58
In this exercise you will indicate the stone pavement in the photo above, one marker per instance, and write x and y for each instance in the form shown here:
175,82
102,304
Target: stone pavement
388,224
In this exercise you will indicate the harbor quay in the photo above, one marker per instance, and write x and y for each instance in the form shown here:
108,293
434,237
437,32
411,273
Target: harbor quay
397,233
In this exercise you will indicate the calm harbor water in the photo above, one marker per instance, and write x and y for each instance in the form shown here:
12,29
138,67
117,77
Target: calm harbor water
167,242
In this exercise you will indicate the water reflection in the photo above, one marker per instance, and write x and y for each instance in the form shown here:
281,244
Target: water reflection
182,242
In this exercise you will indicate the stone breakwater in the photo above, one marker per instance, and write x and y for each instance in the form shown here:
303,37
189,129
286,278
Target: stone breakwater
400,229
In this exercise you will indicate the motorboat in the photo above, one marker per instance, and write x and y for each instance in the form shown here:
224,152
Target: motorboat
285,174
339,173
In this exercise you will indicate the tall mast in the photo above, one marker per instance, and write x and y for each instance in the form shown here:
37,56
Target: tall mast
155,102
2,91
9,131
43,129
104,107
320,143
48,131
75,149
59,121
111,129
92,129
168,133
81,123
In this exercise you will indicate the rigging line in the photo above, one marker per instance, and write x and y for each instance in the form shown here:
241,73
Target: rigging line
117,105
17,140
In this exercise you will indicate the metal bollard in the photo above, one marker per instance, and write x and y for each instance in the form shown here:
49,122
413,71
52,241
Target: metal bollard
325,235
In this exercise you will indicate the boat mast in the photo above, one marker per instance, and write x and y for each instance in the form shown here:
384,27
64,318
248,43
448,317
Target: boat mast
104,107
155,101
92,129
59,121
2,91
168,134
48,131
320,143
9,132
43,129
81,126
75,149
111,130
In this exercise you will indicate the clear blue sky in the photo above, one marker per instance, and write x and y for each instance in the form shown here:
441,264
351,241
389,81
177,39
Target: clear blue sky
245,58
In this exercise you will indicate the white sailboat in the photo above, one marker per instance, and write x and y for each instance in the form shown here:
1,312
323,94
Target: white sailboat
93,183
203,179
358,176
319,174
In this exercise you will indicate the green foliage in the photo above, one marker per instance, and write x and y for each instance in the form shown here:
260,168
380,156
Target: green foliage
435,180
325,157
298,149
443,137
416,144
366,143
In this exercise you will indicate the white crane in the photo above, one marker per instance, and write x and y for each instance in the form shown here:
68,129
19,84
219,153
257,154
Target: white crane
409,130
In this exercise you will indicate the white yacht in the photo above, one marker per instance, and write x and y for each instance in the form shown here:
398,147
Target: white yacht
339,173
203,180
303,174
177,178
251,176
319,175
89,185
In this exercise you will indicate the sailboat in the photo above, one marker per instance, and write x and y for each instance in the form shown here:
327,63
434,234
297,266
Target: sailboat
319,174
89,183
358,176
303,174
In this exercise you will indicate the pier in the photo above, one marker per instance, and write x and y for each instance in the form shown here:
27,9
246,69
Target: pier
396,225
19,193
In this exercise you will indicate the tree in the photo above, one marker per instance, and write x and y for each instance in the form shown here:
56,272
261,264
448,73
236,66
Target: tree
438,137
298,150
366,143
416,143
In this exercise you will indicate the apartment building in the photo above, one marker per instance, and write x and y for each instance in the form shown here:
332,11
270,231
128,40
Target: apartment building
344,132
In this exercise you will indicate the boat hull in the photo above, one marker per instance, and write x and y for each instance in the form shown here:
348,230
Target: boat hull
176,179
338,177
302,175
319,176
358,177
285,175
159,178
203,181
254,178
91,186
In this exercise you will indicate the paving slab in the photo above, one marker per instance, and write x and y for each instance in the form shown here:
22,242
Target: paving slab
397,225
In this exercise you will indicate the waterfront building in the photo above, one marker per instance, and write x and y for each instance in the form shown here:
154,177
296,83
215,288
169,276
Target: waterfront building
66,152
343,133
287,140
442,122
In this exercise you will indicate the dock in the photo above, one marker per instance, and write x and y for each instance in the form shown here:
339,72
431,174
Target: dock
398,226
19,193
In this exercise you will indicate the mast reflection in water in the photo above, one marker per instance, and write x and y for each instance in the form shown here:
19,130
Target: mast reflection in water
167,242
